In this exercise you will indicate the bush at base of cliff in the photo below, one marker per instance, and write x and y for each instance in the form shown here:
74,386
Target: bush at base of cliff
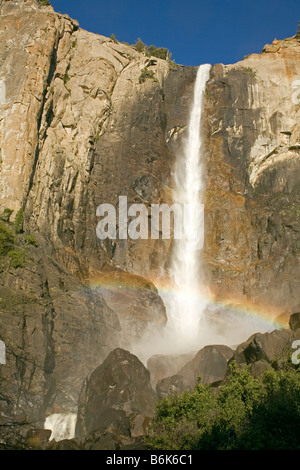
247,413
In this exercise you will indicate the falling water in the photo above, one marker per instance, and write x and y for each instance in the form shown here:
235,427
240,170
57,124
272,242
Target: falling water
187,305
62,425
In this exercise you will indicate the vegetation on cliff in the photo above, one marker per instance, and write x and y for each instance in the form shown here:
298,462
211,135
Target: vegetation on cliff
11,240
246,413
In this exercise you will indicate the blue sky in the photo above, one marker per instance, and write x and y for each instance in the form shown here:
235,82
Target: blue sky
195,31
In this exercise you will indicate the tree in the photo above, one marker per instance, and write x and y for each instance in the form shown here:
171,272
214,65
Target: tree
140,46
113,37
246,413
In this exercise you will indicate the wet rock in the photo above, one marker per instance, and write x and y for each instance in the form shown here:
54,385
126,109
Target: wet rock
56,332
139,424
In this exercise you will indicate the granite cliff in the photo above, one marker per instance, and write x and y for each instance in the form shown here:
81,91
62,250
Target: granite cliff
81,123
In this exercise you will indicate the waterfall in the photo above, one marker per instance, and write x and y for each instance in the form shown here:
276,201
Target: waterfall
187,305
62,425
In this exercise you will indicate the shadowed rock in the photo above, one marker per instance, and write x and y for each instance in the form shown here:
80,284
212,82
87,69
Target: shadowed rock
210,363
294,321
117,389
172,385
263,347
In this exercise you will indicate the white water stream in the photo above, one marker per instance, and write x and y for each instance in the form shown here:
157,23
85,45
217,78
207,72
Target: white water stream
187,304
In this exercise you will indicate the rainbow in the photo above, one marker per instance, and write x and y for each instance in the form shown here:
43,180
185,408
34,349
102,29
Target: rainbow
270,316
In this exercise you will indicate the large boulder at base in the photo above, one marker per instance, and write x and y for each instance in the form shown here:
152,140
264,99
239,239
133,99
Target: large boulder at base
162,366
116,390
264,347
210,363
294,321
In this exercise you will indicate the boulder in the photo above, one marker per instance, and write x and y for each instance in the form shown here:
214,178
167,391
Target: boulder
210,363
162,366
116,390
172,385
259,367
263,347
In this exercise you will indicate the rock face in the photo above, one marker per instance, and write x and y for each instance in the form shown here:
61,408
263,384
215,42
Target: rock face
56,331
60,87
114,395
253,200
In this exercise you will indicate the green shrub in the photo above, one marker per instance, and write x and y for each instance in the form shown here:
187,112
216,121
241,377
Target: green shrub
17,258
5,216
140,46
113,38
247,413
152,51
160,52
44,2
146,73
66,77
31,240
180,420
7,239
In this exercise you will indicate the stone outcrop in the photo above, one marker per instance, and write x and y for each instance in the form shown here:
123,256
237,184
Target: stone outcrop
117,397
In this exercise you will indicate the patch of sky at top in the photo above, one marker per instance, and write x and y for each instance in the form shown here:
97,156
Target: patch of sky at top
195,31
